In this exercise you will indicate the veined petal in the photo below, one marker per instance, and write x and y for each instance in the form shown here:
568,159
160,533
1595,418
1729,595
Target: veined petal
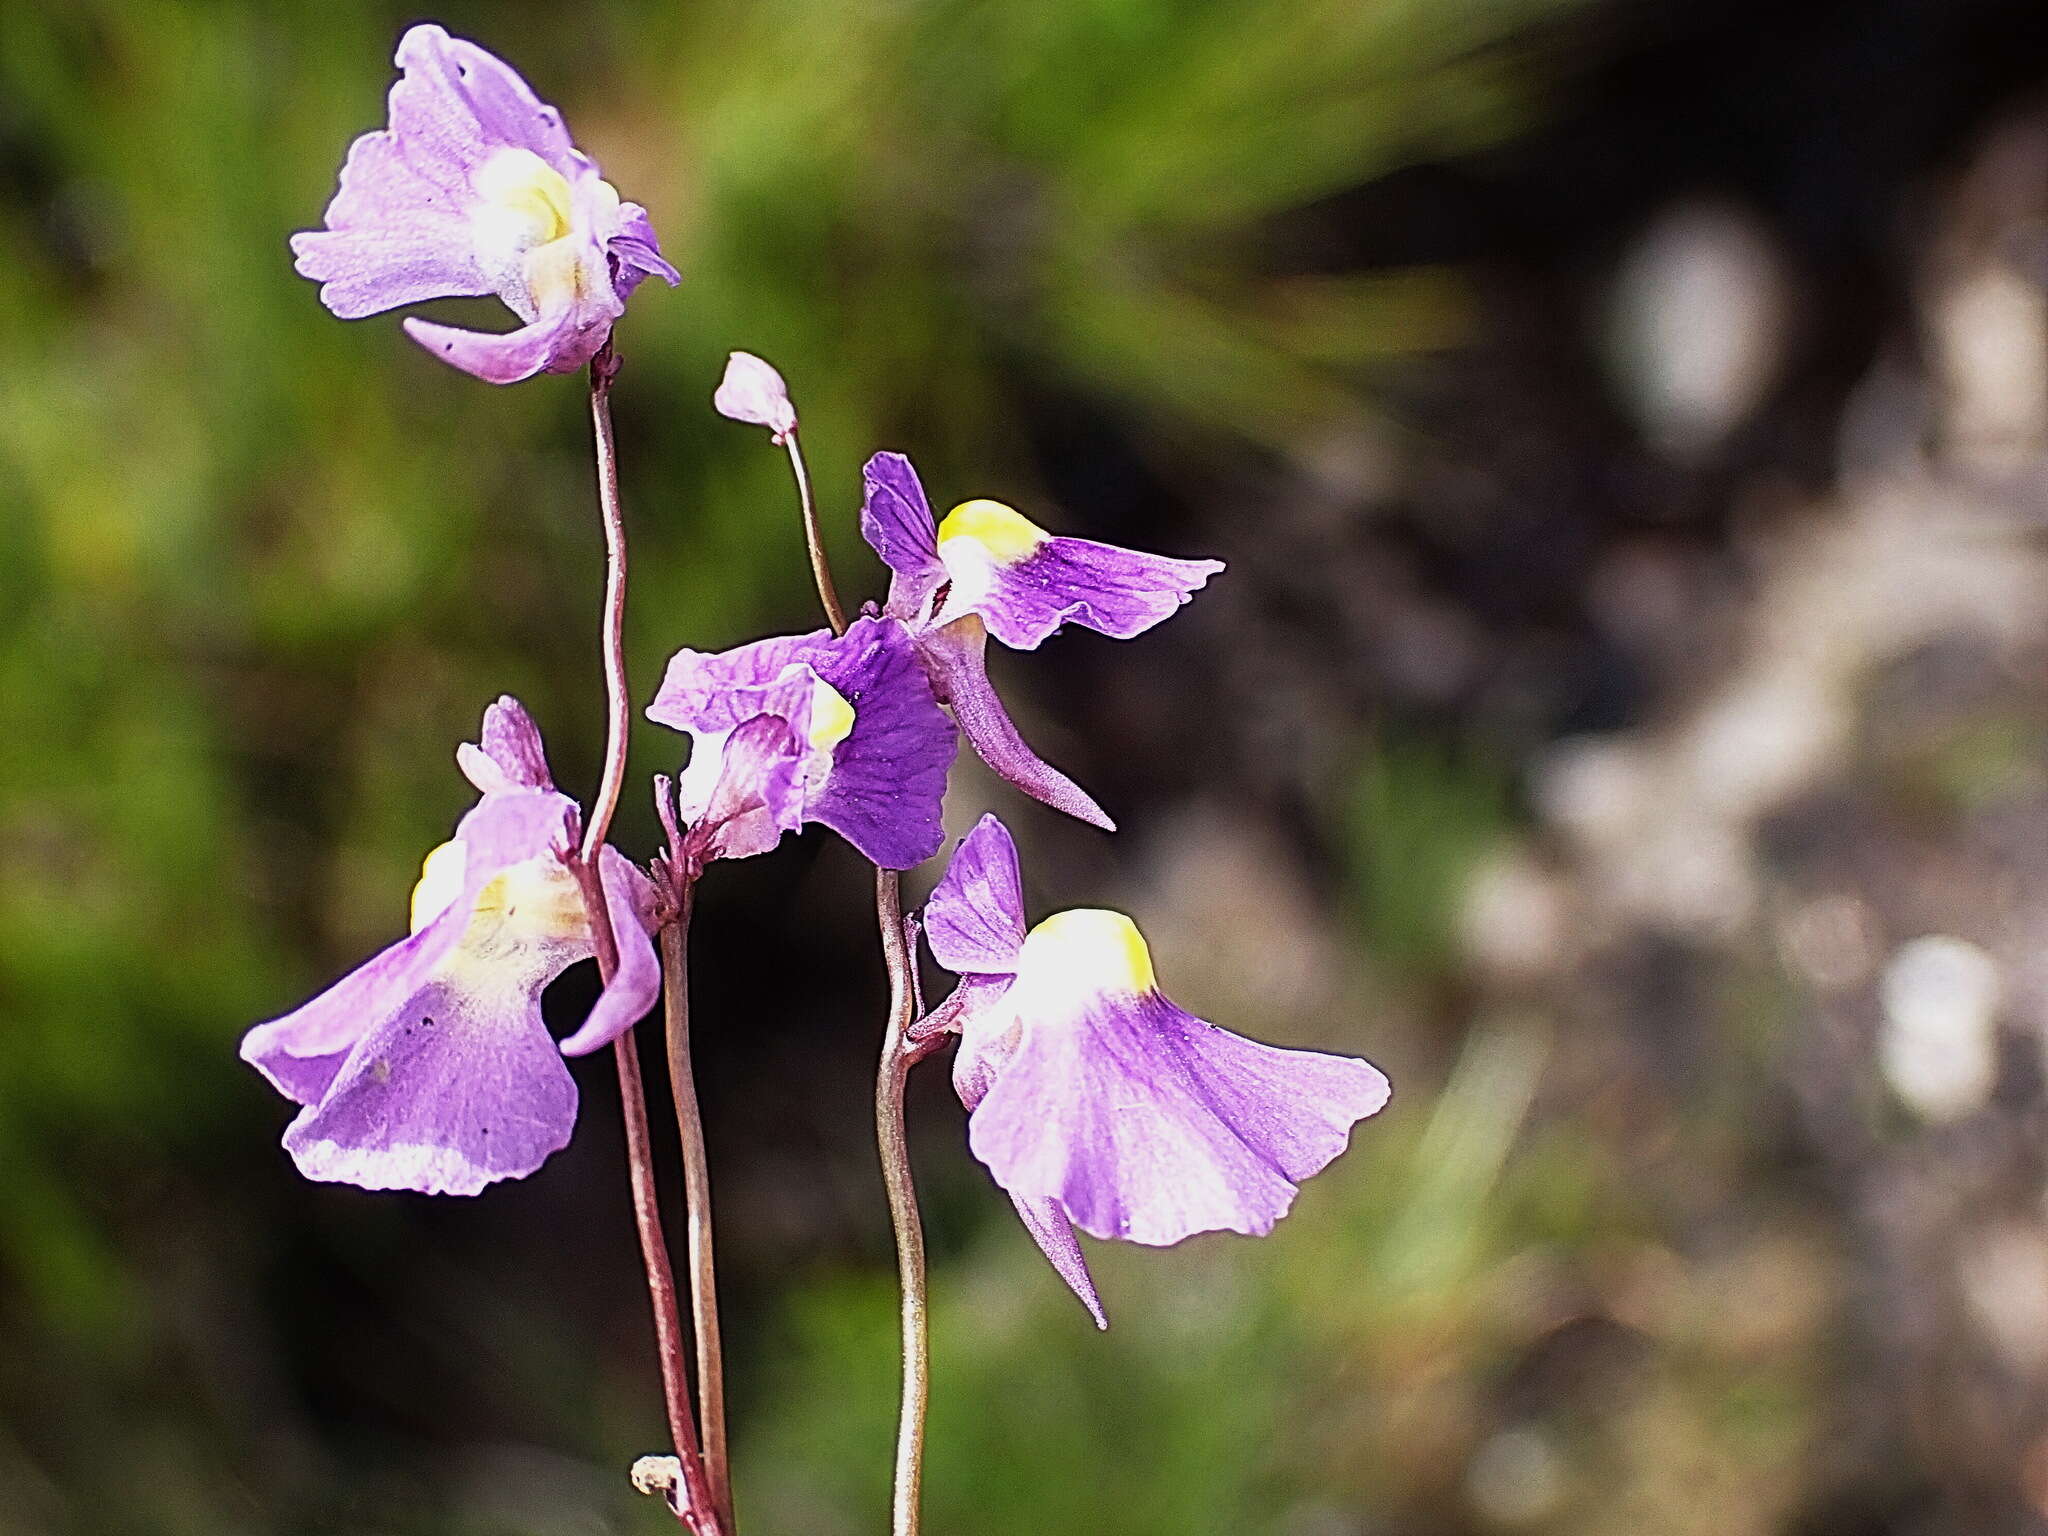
509,756
974,920
956,661
757,790
1054,1234
559,341
715,691
1142,1121
887,778
1026,583
896,520
454,1091
302,1051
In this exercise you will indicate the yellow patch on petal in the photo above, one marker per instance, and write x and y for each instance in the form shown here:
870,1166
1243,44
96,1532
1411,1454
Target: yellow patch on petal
831,717
1092,948
524,195
1005,533
440,883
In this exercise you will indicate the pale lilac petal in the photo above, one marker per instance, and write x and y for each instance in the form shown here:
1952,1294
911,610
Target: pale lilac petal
974,920
458,102
1147,1124
888,777
896,520
301,1051
710,691
407,257
1117,592
449,1094
509,756
560,342
399,230
757,796
636,982
753,392
955,659
1054,1234
988,1034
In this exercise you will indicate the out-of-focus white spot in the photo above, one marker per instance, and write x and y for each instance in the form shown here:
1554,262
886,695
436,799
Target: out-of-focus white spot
1696,326
2003,1271
1513,921
1516,1477
1991,329
1832,941
1938,1049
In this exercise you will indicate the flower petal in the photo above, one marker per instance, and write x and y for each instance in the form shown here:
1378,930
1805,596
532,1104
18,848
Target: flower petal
1148,1124
715,691
636,982
955,659
456,1090
753,392
560,341
896,520
510,755
1114,591
974,920
887,780
1054,1234
636,252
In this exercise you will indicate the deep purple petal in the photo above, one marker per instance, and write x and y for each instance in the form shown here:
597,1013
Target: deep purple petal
1145,1123
974,920
896,520
637,252
884,789
636,983
955,659
454,1091
710,691
1054,1234
1118,592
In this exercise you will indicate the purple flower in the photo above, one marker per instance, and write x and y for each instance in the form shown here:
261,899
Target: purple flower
807,728
1098,1103
988,570
474,189
753,392
430,1067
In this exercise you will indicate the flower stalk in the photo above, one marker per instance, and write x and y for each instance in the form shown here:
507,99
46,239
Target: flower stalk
675,943
698,1506
892,1075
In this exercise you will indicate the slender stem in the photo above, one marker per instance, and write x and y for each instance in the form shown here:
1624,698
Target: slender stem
675,940
894,1147
696,1509
890,1080
620,713
821,569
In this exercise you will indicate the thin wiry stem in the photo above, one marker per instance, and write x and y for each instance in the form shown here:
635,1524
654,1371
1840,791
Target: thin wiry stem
890,1139
619,716
675,983
894,1147
696,1508
821,568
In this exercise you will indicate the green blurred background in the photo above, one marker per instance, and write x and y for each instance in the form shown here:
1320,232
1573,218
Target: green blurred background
1627,425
